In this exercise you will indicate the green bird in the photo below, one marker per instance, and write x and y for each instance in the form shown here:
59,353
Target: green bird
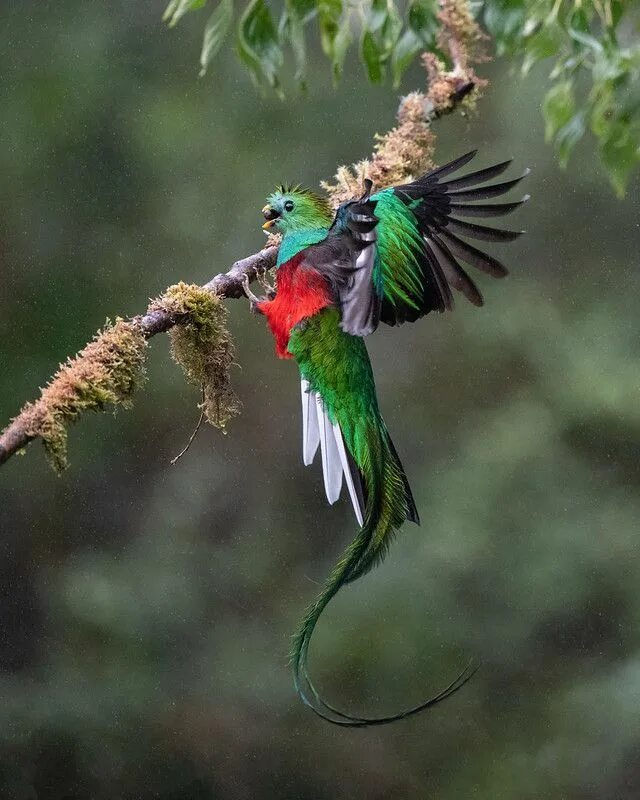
389,257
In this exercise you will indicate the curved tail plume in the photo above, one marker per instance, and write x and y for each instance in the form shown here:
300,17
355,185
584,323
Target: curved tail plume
341,418
382,501
305,688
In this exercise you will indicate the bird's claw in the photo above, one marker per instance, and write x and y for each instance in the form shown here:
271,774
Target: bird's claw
254,301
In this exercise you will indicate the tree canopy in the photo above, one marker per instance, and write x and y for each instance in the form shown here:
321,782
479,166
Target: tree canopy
590,48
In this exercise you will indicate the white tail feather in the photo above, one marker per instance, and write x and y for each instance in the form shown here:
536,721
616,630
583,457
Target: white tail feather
310,431
331,464
318,430
347,472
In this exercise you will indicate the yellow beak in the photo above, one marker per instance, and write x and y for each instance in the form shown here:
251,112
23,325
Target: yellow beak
268,211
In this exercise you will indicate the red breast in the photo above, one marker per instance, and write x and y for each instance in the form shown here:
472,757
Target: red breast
301,293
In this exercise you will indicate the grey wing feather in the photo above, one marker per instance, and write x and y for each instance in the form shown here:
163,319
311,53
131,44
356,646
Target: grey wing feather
359,303
347,258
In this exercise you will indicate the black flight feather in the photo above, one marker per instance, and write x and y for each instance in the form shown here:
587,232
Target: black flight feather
483,232
347,257
473,256
480,176
486,210
486,192
437,204
455,274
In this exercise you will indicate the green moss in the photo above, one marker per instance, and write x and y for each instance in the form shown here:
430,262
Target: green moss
106,372
201,344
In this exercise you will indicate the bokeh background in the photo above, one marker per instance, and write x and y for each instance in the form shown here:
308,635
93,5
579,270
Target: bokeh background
146,610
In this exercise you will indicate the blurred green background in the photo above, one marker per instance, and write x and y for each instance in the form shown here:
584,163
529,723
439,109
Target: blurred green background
146,610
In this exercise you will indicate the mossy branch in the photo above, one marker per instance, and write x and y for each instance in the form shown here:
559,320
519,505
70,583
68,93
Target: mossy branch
109,369
203,347
106,372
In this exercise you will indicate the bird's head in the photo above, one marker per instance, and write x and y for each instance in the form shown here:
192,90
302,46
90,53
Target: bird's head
291,208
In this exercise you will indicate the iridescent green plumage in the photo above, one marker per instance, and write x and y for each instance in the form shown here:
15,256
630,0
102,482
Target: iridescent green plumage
337,367
397,273
390,257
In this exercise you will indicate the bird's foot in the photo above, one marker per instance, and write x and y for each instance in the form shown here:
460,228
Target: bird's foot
254,300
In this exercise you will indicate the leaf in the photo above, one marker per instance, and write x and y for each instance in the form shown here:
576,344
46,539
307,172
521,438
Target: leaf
341,44
390,32
569,135
384,23
376,15
546,42
586,39
215,31
382,26
422,25
620,153
258,44
371,57
603,111
403,54
558,108
616,8
293,30
505,21
178,8
422,19
329,14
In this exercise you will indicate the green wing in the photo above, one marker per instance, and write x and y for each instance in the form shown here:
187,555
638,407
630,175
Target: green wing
419,249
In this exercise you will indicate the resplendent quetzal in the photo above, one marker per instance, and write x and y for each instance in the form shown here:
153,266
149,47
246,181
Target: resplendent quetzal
390,257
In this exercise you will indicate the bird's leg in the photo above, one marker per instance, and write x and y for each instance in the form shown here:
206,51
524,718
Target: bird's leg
247,290
254,301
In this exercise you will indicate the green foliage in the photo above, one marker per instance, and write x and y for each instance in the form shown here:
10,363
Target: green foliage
595,75
215,31
418,36
389,37
259,43
178,8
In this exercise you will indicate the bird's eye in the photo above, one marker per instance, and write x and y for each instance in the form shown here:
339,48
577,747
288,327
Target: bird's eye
288,206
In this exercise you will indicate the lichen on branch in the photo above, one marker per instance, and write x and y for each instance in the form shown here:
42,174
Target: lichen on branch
105,373
202,345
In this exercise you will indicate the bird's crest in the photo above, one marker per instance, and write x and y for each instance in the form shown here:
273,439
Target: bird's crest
310,208
291,188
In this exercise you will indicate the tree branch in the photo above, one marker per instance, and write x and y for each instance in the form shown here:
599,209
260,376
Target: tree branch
404,151
225,284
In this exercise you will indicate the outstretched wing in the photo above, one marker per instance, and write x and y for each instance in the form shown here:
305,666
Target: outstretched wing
419,244
395,256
